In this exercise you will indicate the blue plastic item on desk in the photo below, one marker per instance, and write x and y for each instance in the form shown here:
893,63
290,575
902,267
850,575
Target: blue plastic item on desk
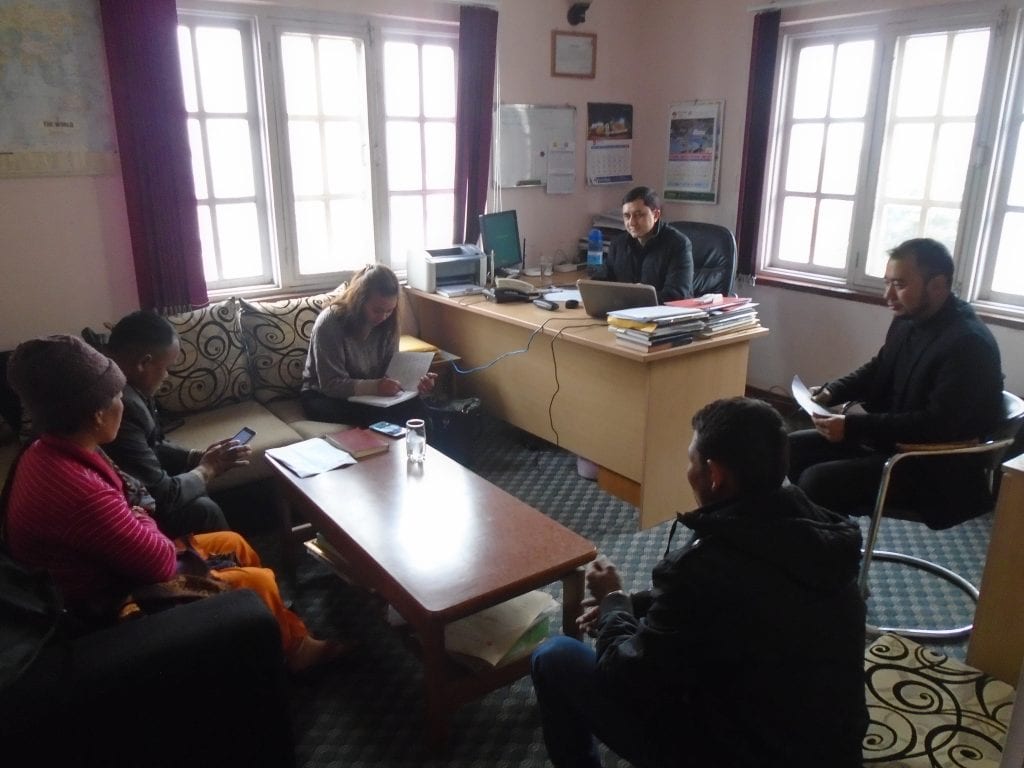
595,249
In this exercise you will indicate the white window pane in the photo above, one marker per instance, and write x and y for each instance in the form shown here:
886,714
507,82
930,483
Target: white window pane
897,223
238,231
440,220
1016,193
188,72
921,75
813,74
401,79
852,80
222,79
795,230
207,243
299,69
1008,276
346,166
804,160
438,81
352,233
842,158
966,71
195,144
440,166
311,236
941,224
832,240
406,225
405,164
230,158
306,157
909,155
954,149
342,77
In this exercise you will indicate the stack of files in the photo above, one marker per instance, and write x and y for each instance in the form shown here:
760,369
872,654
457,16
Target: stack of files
729,320
651,329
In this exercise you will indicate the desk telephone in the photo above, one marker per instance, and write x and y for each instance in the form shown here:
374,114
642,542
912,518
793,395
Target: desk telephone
508,289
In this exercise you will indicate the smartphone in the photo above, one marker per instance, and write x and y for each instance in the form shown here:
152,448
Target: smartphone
244,435
387,428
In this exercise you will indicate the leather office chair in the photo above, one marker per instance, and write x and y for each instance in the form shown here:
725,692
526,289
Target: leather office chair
995,448
714,256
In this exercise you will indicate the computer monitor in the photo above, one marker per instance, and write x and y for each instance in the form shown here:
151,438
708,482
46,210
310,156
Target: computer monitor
499,233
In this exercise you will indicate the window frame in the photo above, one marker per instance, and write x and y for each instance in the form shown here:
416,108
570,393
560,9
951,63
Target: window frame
989,166
266,25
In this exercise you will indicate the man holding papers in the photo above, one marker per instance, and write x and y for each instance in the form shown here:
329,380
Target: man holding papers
937,378
352,348
649,251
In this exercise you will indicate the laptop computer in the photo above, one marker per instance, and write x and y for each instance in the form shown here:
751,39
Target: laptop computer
601,297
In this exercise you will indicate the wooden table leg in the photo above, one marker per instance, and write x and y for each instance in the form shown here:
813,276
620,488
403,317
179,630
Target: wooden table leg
572,596
435,679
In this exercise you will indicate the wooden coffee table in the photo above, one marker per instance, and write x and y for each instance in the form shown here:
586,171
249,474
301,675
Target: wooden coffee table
439,543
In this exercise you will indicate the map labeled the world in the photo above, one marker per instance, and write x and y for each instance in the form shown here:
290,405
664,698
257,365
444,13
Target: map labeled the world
56,116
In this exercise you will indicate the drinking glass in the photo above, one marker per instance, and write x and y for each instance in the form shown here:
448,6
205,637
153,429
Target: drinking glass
415,440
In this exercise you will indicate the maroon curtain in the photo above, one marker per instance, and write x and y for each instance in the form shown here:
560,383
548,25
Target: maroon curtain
755,139
141,39
478,37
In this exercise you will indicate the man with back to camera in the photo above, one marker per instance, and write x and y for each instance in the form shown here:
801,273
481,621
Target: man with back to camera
649,251
144,344
937,378
748,651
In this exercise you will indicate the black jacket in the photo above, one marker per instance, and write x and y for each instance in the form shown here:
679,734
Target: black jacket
749,647
950,390
665,261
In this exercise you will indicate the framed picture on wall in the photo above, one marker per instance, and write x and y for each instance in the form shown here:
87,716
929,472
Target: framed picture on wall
573,54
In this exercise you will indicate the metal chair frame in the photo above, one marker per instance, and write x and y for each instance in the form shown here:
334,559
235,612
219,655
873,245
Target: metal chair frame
1006,434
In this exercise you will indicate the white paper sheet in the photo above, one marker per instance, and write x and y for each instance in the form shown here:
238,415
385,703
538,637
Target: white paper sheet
407,368
802,395
311,457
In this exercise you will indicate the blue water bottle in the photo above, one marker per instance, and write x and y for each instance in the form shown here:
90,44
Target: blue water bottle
595,249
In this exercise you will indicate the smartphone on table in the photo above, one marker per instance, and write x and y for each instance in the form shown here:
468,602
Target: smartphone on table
244,435
387,428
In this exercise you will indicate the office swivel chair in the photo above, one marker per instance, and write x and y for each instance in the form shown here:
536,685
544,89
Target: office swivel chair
994,448
714,256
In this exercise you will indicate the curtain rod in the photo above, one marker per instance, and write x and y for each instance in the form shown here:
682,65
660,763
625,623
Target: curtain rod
773,5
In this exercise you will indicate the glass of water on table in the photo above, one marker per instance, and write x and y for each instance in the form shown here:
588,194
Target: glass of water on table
415,440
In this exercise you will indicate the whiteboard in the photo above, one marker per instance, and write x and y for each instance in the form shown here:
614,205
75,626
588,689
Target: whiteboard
525,132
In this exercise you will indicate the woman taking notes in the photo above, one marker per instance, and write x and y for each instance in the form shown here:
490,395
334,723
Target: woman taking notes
350,348
73,513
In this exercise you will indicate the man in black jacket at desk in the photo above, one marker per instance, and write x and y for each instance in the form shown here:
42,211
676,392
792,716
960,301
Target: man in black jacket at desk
649,251
937,378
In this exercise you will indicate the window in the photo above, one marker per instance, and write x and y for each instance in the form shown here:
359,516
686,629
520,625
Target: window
902,127
292,188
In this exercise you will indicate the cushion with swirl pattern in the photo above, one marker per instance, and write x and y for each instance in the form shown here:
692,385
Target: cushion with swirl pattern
212,368
926,709
277,335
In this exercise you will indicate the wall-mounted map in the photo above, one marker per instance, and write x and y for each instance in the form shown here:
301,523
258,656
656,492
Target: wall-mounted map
56,118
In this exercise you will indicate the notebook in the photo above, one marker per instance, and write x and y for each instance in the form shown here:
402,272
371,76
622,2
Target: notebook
601,297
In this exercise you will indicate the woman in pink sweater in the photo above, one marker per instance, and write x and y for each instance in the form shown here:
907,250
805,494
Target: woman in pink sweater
69,510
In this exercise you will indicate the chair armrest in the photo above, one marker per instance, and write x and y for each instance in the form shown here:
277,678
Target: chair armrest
935,447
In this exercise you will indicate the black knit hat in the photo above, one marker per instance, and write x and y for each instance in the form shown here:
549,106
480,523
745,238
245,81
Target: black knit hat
62,381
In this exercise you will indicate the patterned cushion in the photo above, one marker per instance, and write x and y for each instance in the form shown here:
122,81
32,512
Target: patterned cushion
213,368
927,709
277,336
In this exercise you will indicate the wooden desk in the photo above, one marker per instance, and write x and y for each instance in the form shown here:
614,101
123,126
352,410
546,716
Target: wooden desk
997,642
440,543
627,411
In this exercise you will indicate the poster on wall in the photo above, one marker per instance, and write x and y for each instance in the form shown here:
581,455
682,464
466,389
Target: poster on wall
609,143
694,136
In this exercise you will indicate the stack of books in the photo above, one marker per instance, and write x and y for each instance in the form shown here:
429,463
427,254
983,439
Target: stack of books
651,329
724,314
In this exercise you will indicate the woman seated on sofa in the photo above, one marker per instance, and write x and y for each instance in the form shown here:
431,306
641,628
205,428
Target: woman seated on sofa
352,343
69,508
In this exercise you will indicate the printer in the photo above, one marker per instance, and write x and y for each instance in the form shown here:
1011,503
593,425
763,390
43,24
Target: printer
454,271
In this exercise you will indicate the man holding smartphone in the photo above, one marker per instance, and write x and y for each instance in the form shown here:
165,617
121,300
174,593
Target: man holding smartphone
144,344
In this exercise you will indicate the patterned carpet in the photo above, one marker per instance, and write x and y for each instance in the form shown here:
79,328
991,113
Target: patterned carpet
367,713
